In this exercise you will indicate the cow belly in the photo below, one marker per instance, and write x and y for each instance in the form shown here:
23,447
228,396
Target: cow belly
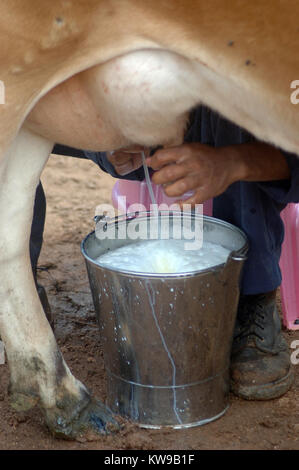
139,98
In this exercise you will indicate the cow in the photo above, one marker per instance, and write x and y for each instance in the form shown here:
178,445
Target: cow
109,74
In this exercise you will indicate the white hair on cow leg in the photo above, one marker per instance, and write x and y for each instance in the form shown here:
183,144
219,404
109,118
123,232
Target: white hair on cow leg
37,369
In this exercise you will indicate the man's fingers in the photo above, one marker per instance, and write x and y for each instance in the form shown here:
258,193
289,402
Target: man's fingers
136,160
119,158
124,162
181,186
124,169
196,198
169,174
164,157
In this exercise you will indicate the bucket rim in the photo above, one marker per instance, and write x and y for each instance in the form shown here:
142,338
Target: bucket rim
122,218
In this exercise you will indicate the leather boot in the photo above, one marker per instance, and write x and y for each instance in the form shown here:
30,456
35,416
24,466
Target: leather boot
260,362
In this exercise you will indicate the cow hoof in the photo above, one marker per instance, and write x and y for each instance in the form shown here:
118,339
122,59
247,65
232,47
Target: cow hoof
95,417
22,402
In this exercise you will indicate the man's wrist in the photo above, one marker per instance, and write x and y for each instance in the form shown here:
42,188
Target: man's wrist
237,163
256,161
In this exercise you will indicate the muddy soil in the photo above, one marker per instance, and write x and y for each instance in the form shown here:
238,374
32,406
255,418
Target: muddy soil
74,188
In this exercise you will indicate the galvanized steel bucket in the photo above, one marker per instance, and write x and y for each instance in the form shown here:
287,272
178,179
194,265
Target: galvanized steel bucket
167,338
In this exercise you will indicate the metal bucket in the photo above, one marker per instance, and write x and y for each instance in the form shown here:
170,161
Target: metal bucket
167,338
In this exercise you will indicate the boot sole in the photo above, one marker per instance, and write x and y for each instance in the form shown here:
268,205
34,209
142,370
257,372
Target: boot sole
266,391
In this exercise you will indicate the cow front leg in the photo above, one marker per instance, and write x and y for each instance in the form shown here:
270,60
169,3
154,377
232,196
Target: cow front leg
38,372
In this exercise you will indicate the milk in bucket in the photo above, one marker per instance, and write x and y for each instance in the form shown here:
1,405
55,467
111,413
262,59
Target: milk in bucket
163,256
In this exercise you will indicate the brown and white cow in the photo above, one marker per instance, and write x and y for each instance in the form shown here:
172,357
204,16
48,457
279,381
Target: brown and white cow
105,74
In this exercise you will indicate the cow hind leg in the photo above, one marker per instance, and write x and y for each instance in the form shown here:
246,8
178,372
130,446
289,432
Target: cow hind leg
38,372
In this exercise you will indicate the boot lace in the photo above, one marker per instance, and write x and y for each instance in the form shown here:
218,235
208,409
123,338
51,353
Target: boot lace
251,318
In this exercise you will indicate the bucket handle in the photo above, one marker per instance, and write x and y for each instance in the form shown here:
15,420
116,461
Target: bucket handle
234,265
104,220
240,255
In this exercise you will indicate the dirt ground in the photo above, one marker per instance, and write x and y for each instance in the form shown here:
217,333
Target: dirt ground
74,188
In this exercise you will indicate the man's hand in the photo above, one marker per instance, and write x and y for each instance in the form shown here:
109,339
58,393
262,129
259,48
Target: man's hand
125,161
208,171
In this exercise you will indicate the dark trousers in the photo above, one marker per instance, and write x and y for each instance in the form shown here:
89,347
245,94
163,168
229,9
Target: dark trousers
37,228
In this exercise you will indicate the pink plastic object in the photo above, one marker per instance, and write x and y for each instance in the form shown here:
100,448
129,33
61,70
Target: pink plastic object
125,193
289,265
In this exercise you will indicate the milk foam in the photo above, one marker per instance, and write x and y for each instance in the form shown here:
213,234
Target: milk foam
163,256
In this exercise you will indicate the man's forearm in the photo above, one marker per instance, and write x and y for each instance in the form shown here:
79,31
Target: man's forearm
257,161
